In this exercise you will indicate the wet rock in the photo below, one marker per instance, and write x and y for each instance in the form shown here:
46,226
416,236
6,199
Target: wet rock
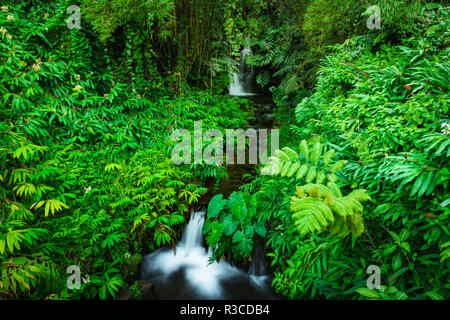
140,290
243,288
176,286
132,266
266,108
256,127
267,119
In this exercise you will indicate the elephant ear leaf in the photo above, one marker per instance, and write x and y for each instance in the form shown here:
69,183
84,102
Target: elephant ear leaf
260,229
244,243
216,205
230,225
214,236
239,207
251,206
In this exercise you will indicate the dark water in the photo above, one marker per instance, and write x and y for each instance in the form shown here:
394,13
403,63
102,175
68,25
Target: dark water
186,273
177,286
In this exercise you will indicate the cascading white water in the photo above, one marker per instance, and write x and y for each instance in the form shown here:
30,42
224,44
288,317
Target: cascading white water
241,83
189,267
236,88
256,270
192,236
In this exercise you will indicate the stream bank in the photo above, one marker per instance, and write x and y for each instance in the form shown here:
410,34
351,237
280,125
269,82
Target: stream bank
184,272
263,119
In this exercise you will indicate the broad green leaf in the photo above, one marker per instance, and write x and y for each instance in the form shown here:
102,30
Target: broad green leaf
215,234
404,235
405,246
230,225
249,231
260,229
434,295
396,261
397,274
238,236
2,246
370,293
395,236
238,207
215,205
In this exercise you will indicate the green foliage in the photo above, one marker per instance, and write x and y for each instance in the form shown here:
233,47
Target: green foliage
317,207
381,102
86,115
309,164
384,108
284,60
232,225
328,22
85,171
123,12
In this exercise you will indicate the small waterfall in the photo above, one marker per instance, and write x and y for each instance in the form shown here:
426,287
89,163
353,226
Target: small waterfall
187,274
242,83
257,270
192,236
257,265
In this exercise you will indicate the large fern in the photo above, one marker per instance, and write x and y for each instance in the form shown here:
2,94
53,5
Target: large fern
308,163
317,207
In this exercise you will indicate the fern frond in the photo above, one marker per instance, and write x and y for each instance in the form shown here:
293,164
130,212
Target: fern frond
318,207
359,195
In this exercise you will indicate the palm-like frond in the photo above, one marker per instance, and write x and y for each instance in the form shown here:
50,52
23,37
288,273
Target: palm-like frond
317,207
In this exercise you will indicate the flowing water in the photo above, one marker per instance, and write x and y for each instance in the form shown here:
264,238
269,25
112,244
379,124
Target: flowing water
185,273
242,82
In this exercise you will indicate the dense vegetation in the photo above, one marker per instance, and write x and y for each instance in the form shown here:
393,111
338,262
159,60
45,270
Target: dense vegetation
362,177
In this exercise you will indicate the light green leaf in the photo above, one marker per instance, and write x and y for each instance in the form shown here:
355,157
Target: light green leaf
370,293
215,205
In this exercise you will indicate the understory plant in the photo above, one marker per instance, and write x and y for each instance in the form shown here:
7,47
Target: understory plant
232,225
